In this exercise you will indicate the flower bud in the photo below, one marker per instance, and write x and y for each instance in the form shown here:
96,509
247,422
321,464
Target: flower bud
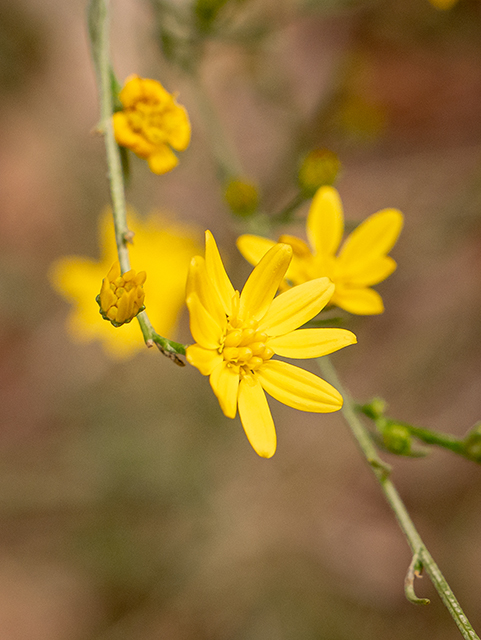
242,197
319,168
472,443
397,439
121,297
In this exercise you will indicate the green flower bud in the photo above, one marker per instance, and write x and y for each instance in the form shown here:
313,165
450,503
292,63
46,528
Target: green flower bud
397,439
472,443
374,409
319,168
242,197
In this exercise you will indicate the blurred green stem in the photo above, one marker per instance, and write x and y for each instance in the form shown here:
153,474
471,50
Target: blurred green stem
421,556
99,29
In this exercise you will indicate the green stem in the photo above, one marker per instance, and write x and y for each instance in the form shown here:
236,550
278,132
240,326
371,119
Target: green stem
421,556
285,215
99,27
99,34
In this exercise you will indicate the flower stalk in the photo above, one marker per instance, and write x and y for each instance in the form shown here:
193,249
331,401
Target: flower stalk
99,31
422,559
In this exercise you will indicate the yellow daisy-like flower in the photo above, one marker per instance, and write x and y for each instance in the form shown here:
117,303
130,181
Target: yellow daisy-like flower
162,248
237,336
361,262
151,123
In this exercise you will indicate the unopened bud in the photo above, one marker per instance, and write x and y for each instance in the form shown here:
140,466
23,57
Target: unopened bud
397,439
121,297
242,197
319,168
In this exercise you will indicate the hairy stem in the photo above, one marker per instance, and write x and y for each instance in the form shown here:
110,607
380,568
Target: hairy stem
421,556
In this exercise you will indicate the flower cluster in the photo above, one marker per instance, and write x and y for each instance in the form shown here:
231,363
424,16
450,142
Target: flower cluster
151,123
121,296
237,335
361,262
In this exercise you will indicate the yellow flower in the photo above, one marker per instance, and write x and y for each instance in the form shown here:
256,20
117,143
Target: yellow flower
151,122
163,248
361,262
121,296
238,334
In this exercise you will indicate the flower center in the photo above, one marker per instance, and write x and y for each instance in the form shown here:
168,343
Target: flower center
151,121
244,347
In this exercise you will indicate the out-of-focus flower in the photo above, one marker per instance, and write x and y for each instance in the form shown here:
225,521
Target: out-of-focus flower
121,296
238,334
162,248
242,197
443,4
151,123
361,262
319,168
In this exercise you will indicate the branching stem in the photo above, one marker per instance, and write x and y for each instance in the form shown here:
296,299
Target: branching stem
422,559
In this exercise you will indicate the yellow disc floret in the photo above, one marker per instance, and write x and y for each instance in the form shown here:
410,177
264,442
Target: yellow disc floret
122,295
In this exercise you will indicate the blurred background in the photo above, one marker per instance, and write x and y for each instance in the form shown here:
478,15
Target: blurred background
132,510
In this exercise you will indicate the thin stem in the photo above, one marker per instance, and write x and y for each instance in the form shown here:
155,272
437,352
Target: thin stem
99,34
421,555
285,215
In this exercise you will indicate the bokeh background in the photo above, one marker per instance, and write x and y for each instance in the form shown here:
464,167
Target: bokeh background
130,507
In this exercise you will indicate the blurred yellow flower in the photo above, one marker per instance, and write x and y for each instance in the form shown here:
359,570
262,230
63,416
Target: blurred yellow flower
121,296
160,246
151,122
238,334
361,262
443,4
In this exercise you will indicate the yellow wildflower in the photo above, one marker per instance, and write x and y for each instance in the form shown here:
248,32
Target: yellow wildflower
121,296
361,262
163,248
238,334
151,122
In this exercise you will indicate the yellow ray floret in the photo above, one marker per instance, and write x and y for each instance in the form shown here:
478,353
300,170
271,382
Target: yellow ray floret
354,267
151,123
238,334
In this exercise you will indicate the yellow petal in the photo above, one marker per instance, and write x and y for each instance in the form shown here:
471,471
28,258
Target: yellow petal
256,417
179,128
366,274
198,282
132,90
262,284
254,248
206,360
296,306
217,273
311,343
373,238
107,296
224,381
362,301
325,221
204,329
298,388
162,160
